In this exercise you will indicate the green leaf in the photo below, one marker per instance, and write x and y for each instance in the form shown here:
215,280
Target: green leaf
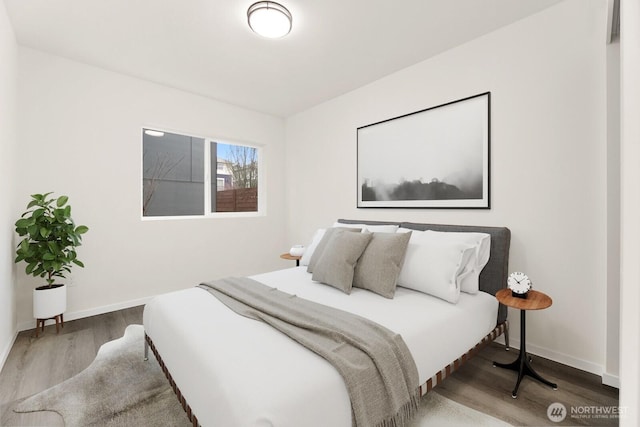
31,267
61,201
48,256
23,222
32,203
44,232
81,229
38,212
33,230
78,263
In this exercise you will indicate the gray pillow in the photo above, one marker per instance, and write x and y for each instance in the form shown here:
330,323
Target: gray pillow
379,266
336,265
317,253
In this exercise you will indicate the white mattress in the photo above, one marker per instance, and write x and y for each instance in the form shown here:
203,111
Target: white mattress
236,371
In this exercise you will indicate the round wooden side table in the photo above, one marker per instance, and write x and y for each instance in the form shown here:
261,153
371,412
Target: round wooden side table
535,300
290,257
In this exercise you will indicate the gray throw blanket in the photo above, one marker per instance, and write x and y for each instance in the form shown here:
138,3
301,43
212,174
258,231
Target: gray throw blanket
375,363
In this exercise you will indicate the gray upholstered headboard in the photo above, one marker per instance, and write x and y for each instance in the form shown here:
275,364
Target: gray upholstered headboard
494,275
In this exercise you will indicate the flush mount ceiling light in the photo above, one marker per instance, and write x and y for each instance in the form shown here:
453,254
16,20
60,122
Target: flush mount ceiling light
152,132
269,19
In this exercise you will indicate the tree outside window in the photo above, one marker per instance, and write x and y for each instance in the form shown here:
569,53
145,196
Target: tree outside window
174,171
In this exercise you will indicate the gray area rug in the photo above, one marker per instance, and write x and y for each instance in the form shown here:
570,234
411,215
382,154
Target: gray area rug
120,389
438,411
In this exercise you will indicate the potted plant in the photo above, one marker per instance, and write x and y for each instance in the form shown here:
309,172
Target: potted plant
48,247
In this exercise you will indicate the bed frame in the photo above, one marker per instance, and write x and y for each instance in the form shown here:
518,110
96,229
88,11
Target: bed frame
492,279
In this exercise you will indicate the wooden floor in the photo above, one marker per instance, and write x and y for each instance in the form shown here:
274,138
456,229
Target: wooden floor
35,364
485,388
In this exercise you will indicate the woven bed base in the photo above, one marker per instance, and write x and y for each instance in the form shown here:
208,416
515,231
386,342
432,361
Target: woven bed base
424,388
502,328
176,390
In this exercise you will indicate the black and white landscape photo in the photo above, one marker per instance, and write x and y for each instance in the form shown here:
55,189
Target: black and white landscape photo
434,158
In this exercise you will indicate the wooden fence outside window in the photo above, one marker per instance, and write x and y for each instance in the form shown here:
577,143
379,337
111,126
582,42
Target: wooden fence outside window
238,200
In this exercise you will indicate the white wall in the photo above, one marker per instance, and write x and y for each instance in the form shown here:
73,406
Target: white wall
80,135
8,142
547,77
612,371
630,212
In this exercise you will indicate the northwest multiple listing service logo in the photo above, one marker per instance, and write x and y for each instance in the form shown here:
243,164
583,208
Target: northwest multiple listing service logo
557,412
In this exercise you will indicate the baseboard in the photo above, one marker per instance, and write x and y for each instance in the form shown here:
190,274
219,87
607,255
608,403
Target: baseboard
24,326
5,352
565,359
611,380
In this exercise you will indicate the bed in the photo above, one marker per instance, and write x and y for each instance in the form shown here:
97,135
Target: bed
223,378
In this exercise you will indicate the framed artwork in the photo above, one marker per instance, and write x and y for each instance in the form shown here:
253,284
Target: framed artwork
434,158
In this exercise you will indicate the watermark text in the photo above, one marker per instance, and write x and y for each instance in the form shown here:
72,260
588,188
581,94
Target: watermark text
557,412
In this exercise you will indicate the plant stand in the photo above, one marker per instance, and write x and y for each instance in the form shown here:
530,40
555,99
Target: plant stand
49,303
59,323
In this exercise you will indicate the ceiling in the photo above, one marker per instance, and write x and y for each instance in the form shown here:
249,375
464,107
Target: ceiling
206,47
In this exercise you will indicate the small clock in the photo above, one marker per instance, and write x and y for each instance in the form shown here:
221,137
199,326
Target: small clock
519,284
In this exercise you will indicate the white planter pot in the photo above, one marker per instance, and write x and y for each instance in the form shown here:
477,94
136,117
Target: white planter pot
49,302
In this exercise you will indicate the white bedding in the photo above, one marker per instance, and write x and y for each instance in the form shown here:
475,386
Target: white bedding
236,371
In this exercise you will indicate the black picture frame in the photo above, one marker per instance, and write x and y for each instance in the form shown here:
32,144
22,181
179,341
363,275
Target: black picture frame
436,158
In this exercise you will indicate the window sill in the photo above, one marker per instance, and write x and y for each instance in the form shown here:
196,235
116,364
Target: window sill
215,215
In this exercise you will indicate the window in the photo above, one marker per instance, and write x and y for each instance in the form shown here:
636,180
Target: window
191,176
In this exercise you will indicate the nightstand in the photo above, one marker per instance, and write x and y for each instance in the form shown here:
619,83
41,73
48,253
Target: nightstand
290,257
535,300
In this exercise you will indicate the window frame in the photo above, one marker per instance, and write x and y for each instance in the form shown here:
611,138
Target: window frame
208,186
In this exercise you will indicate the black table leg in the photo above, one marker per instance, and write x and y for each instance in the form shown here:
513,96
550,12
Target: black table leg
522,365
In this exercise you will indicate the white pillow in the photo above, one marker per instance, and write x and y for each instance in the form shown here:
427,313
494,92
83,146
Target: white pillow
311,247
370,228
482,244
436,266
